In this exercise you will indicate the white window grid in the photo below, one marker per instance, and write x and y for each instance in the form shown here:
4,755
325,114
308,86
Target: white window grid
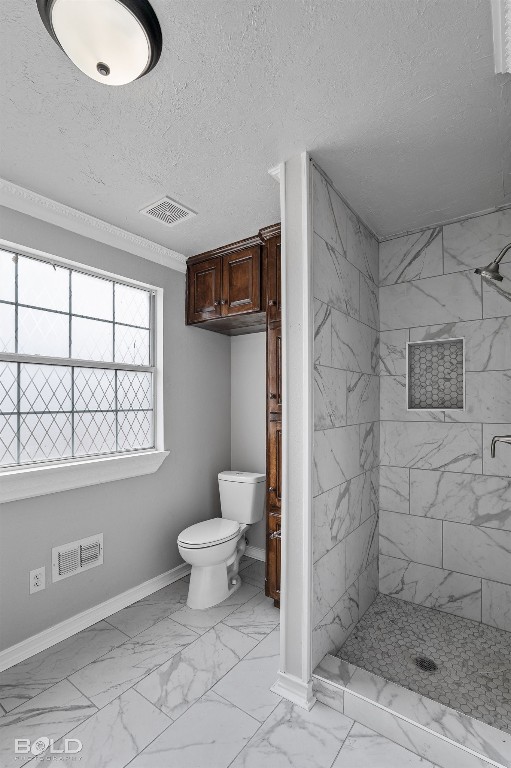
76,367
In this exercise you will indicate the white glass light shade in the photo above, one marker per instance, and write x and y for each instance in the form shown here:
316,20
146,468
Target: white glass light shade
94,33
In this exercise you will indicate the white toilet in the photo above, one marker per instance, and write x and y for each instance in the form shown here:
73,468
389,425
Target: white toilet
214,547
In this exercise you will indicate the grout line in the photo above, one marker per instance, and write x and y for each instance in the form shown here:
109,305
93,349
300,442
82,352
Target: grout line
353,723
442,224
443,252
114,627
82,694
450,570
351,317
92,661
94,714
152,703
439,325
155,738
236,706
330,184
132,687
250,740
78,669
217,694
442,541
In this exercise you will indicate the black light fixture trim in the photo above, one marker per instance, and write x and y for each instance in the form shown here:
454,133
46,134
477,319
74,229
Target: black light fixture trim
141,10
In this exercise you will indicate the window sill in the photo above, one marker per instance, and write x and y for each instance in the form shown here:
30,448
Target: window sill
27,482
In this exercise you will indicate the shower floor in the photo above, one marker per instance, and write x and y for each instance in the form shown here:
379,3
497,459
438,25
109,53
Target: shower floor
473,660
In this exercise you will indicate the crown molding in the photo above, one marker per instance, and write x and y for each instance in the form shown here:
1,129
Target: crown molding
268,232
275,173
32,204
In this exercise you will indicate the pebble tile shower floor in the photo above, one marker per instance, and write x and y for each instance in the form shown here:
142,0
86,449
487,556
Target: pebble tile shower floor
474,660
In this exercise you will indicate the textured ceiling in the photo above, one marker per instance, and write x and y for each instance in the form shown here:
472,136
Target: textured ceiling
396,99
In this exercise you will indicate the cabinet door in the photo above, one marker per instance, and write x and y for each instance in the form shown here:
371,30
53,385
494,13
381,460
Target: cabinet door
273,543
204,290
241,281
273,280
274,367
274,466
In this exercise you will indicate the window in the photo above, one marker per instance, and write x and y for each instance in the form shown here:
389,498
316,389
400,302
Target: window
76,363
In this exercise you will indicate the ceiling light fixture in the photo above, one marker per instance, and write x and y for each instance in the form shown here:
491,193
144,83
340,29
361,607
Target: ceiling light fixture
112,41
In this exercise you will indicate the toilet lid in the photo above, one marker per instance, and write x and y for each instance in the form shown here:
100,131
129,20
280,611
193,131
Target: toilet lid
209,532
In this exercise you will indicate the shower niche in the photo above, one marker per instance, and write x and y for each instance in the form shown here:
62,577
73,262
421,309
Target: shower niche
435,379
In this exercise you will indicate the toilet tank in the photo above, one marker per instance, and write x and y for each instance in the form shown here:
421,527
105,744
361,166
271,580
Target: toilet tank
242,496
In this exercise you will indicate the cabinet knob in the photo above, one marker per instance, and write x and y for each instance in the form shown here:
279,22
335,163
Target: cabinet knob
271,490
276,535
272,303
217,303
273,396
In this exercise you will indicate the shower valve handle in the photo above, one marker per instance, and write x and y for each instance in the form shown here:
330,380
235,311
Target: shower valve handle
498,439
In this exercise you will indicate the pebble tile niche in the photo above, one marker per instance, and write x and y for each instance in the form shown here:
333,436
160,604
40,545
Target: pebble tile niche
435,375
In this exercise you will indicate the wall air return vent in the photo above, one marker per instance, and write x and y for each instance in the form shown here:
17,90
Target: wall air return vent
168,212
76,556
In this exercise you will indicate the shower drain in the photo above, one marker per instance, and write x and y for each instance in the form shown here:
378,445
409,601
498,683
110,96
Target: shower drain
425,664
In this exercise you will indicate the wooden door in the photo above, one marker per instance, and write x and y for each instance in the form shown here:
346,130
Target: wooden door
204,290
273,280
273,544
274,463
274,411
241,281
274,367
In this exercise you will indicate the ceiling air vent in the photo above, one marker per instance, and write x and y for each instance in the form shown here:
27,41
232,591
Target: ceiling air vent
168,212
77,556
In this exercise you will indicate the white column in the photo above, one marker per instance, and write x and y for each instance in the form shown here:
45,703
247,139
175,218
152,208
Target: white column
295,679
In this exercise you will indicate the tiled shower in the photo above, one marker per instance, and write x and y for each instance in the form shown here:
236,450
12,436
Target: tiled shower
413,528
445,504
346,419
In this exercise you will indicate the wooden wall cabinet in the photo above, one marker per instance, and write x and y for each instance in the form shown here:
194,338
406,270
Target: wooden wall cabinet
204,291
241,282
225,288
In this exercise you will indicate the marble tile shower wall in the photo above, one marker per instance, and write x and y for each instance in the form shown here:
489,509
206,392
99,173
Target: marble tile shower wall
445,504
346,419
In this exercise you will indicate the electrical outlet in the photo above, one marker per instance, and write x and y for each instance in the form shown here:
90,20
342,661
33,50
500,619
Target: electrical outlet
37,580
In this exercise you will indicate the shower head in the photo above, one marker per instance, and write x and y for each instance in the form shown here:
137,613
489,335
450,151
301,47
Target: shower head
492,270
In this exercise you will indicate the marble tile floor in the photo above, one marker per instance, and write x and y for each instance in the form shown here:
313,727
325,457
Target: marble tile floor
473,659
160,686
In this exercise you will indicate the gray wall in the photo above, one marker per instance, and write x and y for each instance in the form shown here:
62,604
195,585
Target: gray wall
445,511
140,517
248,412
346,416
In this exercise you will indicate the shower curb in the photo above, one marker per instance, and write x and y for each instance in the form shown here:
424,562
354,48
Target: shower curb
429,729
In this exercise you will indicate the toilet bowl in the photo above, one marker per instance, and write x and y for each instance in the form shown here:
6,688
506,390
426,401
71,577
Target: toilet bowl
214,547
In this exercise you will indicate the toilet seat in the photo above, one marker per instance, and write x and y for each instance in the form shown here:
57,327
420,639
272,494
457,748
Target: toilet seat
209,533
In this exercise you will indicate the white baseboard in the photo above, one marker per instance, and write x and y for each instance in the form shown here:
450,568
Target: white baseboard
295,690
258,553
74,624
